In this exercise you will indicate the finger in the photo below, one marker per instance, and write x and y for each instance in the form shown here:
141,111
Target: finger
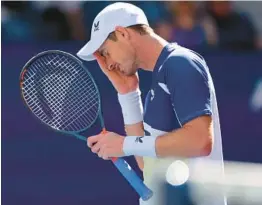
100,152
96,147
105,154
102,63
100,59
109,72
93,140
105,157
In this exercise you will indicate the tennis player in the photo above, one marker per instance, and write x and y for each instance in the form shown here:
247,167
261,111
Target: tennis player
180,116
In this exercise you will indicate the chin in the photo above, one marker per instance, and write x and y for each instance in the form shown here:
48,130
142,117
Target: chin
130,73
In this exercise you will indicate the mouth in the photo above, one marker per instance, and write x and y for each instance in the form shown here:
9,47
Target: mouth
118,67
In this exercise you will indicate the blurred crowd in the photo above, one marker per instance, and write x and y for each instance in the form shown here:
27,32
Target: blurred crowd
214,24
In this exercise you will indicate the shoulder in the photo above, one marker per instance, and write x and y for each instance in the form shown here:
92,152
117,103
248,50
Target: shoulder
184,61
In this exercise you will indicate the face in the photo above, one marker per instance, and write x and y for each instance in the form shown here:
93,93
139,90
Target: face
120,54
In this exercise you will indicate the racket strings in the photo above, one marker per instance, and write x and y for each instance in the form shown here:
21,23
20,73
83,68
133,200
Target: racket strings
61,93
59,105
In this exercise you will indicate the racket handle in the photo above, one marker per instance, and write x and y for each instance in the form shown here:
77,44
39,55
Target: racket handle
144,192
125,169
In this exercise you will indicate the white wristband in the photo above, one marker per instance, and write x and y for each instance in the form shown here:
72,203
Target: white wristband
132,107
140,146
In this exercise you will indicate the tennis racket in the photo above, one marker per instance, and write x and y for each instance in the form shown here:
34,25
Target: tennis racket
61,92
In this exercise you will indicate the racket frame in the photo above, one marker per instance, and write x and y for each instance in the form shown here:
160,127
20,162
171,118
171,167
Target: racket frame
144,191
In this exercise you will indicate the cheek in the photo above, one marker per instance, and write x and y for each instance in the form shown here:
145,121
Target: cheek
122,54
128,55
116,54
119,55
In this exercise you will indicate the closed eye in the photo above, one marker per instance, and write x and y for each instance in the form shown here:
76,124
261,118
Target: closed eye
102,52
106,54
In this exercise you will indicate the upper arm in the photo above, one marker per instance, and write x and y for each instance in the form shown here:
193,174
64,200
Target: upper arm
201,126
201,129
189,87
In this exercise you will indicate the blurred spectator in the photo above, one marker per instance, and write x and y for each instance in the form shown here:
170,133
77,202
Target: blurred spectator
42,20
155,11
164,28
254,11
235,30
187,27
61,20
17,22
182,22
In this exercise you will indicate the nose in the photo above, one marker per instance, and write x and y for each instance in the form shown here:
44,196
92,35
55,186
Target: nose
111,66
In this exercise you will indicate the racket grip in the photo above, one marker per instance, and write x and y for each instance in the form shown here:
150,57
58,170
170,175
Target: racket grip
144,192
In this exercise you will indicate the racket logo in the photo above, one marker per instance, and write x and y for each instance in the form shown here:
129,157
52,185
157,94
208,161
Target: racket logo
128,166
96,26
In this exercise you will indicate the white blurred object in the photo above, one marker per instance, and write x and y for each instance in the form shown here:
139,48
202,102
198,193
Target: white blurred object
256,98
177,173
242,183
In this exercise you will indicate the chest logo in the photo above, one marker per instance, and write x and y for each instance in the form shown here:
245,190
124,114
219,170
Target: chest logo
152,94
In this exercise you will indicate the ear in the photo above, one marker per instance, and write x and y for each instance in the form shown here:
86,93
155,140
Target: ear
122,33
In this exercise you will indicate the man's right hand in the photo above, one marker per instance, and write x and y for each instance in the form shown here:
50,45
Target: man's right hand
123,84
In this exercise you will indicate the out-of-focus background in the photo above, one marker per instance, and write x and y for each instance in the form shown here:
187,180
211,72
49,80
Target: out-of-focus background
42,167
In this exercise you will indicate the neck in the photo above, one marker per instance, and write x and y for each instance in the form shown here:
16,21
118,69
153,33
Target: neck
148,49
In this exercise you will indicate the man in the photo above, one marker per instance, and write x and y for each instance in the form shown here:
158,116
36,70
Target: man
180,118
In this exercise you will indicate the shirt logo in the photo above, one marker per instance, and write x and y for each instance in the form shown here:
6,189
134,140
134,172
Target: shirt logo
139,139
147,133
152,94
96,26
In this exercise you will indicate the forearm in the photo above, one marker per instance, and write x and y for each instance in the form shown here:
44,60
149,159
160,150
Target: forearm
183,143
194,139
136,130
132,110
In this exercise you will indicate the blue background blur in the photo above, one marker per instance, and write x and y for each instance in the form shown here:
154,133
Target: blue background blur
40,166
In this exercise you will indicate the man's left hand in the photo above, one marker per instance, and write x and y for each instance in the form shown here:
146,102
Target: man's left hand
106,145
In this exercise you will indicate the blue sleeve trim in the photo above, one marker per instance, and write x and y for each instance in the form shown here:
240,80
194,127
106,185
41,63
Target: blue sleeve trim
195,115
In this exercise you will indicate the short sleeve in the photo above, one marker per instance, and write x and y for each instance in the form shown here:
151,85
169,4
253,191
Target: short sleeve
188,84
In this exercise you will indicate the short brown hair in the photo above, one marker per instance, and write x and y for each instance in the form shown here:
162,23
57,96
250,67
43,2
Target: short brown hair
139,28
